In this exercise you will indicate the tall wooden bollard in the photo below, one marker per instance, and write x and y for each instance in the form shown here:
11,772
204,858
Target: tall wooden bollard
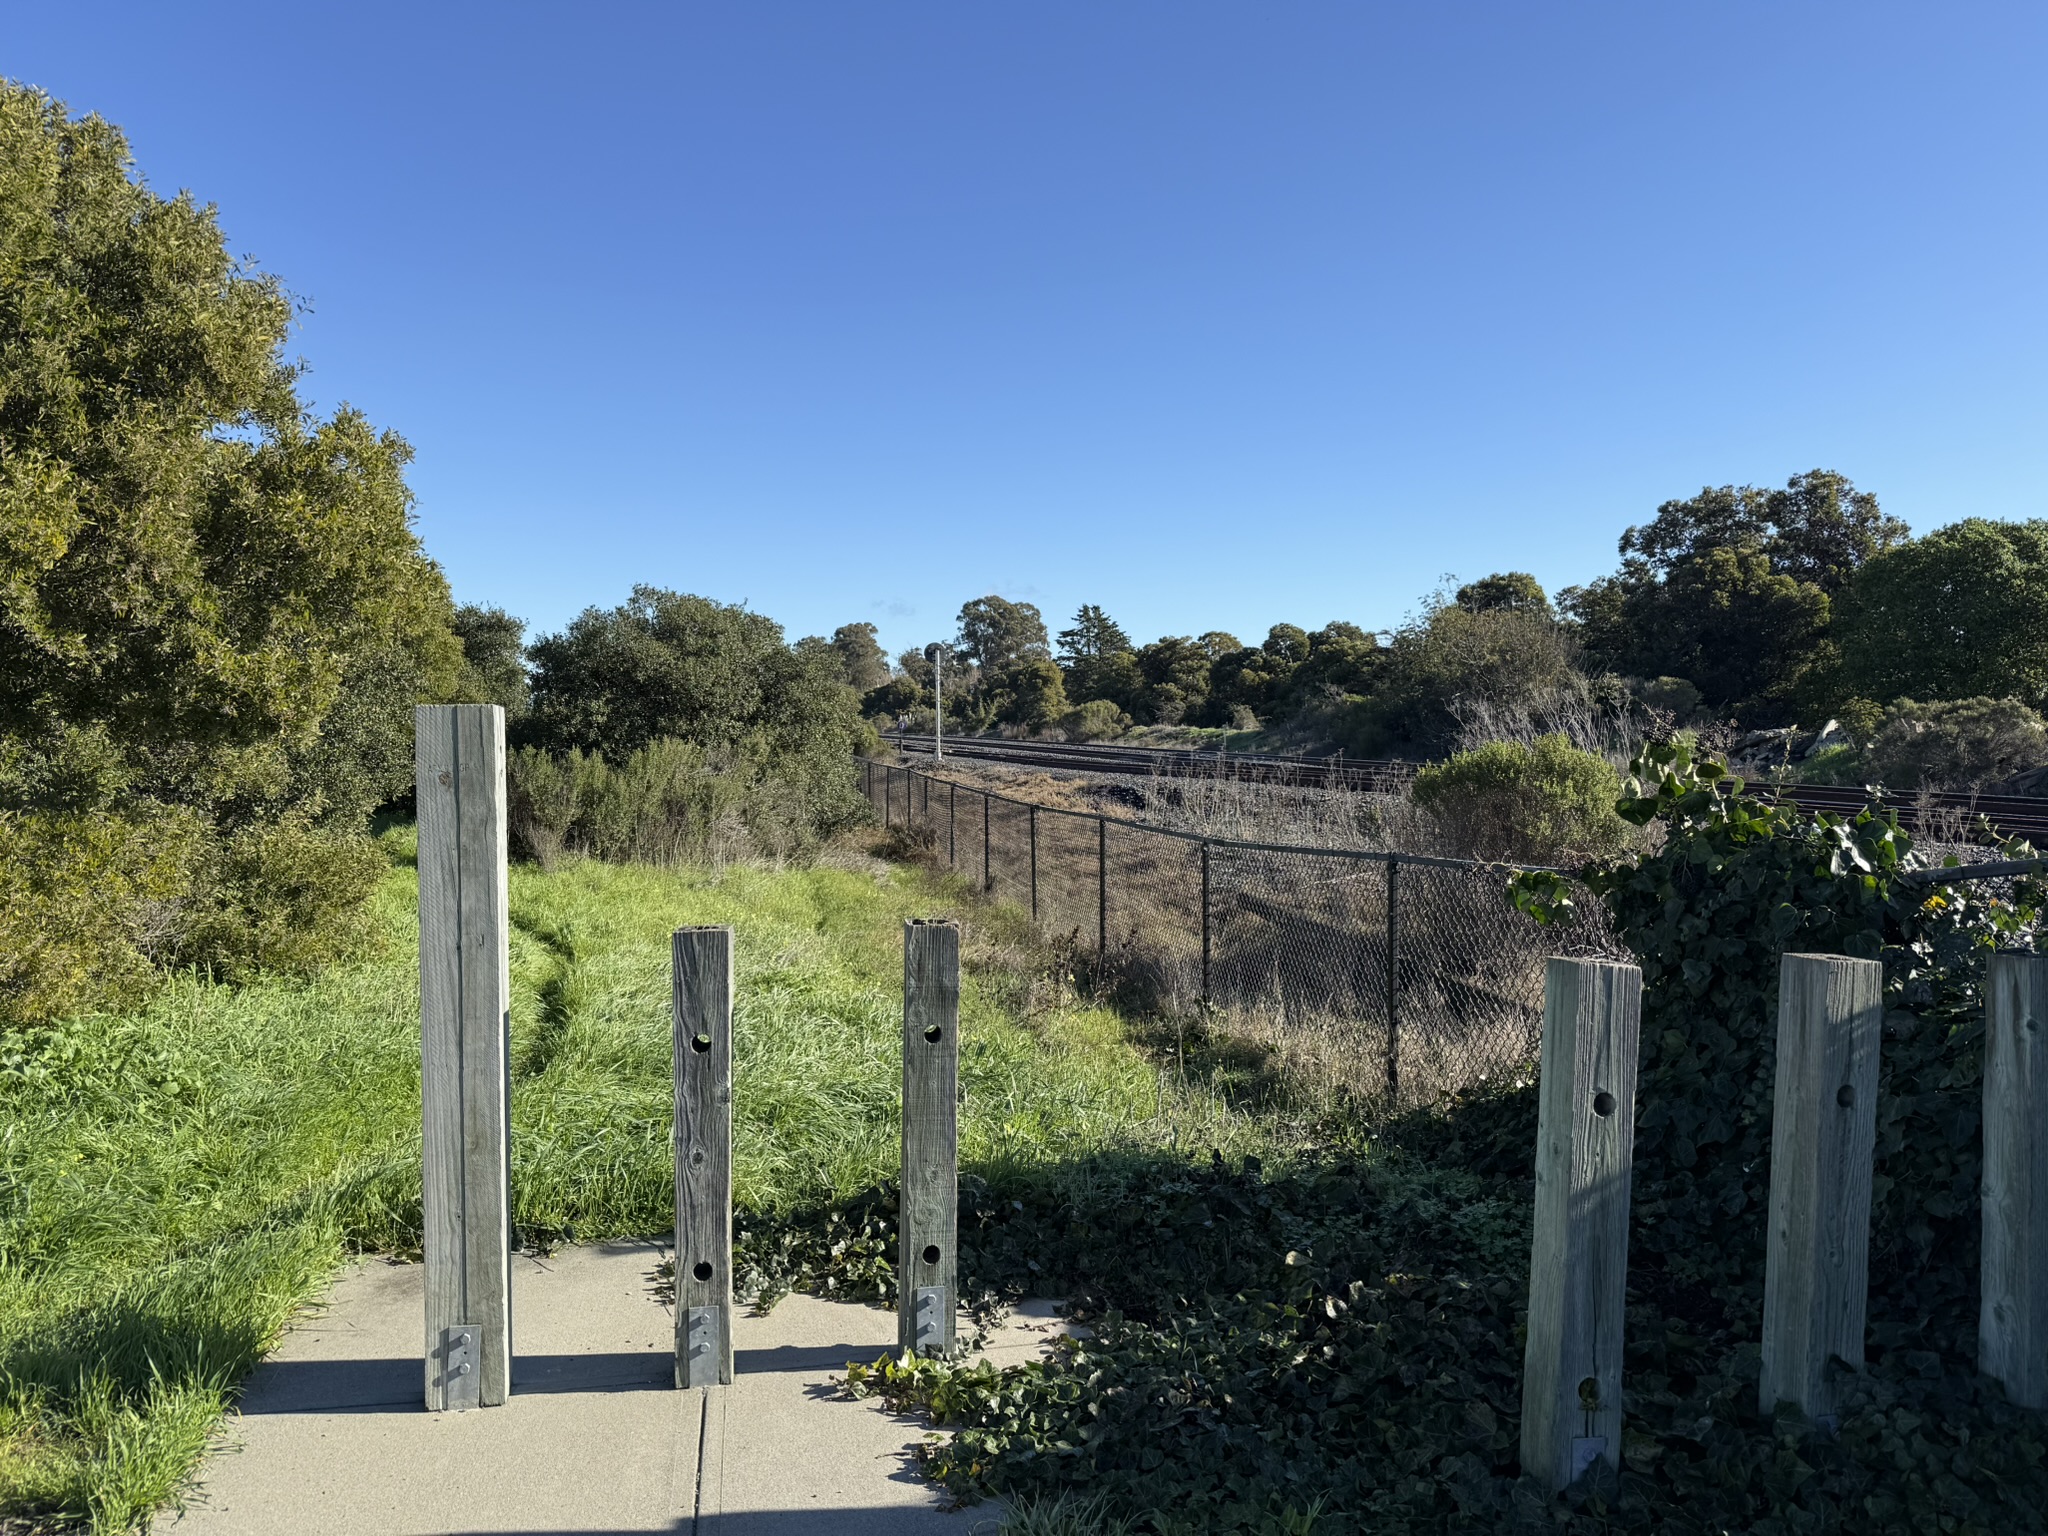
703,1136
2012,1328
929,1216
465,1070
1823,1138
1578,1265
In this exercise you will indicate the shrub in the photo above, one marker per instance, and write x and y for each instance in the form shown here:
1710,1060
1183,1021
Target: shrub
670,802
1542,804
85,901
1097,720
1956,745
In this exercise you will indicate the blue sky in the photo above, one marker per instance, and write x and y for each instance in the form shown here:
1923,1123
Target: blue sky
1215,314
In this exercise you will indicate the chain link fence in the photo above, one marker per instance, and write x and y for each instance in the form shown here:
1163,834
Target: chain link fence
1398,976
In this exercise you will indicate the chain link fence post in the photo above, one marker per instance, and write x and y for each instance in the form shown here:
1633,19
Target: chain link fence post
1101,887
1393,983
1034,863
987,882
1205,923
952,806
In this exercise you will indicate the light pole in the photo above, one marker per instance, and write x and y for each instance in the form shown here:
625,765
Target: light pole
937,654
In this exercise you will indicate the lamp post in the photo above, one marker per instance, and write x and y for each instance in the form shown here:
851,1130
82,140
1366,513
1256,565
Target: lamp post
936,654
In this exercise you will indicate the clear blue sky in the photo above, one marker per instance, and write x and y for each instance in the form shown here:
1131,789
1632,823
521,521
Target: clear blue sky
1215,314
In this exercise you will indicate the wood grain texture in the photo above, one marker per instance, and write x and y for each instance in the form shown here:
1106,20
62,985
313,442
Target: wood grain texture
2012,1327
1823,1139
465,1022
1578,1267
928,1221
703,995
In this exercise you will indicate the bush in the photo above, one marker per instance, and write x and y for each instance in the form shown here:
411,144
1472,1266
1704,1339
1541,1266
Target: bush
1956,745
671,802
1499,660
1543,804
1097,720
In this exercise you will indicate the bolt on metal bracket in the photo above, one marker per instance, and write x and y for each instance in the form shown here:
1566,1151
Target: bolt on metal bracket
462,1381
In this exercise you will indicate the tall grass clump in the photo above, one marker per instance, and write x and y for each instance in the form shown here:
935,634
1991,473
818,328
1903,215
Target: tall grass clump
670,802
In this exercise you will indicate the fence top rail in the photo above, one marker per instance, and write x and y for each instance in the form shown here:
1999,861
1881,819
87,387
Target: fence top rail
1306,850
1989,870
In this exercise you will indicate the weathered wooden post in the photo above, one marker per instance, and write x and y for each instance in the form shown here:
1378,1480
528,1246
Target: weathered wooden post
1823,1138
928,1218
703,975
465,1074
2012,1328
1578,1265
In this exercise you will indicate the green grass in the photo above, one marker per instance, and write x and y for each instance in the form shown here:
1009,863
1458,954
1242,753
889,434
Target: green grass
176,1180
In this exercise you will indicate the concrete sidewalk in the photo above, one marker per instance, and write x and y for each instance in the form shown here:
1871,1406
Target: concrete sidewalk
332,1437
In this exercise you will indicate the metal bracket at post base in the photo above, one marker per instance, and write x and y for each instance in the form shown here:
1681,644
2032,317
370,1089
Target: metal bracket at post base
703,1337
928,1321
460,1381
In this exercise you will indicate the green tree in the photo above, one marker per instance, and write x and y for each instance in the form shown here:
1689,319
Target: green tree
995,632
493,660
1094,633
1732,590
1960,613
861,660
1030,693
1176,678
215,618
1509,589
1099,659
1960,744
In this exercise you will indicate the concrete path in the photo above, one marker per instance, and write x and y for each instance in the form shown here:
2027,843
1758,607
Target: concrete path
332,1437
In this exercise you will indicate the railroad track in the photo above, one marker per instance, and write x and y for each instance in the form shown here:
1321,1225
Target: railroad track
2012,815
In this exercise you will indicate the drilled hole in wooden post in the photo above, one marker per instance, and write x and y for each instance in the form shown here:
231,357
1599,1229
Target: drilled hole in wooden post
702,1270
1603,1103
1589,1393
1846,1095
935,1034
931,1253
700,1042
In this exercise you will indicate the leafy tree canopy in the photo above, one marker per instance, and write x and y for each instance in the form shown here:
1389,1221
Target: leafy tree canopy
1509,589
493,660
215,618
664,665
860,656
995,632
1093,634
1960,613
1817,528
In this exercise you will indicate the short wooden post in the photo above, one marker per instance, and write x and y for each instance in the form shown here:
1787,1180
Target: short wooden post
1823,1138
928,1216
703,984
2012,1328
465,1074
1578,1266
